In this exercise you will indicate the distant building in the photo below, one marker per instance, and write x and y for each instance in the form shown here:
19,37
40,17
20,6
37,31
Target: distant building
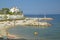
14,9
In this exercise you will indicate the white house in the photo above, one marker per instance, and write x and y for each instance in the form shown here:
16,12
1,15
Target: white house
14,9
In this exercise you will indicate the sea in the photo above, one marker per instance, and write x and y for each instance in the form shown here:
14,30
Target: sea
43,33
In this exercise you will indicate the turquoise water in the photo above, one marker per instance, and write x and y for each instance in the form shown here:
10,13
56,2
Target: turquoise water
48,33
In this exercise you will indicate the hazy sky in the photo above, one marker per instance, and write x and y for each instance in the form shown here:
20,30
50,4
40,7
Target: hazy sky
33,6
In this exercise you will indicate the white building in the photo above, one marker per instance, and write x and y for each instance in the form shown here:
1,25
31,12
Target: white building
14,9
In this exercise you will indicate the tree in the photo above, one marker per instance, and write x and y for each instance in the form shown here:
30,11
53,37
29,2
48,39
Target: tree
6,9
11,13
1,12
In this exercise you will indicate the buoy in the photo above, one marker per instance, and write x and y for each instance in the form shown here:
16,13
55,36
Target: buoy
35,33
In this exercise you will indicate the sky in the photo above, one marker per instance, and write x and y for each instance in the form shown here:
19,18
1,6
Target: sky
34,7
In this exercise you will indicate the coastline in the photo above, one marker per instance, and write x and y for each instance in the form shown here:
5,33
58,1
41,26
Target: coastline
5,25
8,24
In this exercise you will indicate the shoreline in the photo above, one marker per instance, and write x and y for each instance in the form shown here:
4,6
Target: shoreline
5,25
23,23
